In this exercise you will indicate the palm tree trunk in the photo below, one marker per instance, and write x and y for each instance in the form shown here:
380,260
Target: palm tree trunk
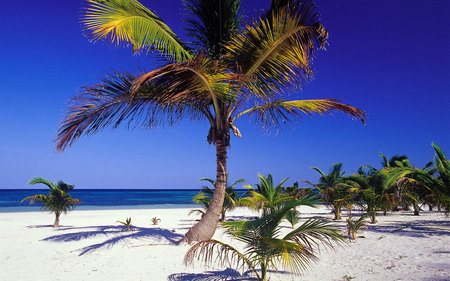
205,228
56,223
263,272
416,209
337,212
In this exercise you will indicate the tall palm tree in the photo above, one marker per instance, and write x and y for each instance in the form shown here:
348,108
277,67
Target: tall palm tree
230,201
57,201
335,189
232,70
265,246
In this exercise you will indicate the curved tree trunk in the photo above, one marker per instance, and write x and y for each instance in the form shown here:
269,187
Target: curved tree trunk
205,228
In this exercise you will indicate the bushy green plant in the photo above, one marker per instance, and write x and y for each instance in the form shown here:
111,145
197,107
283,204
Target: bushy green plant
57,201
335,189
353,226
204,197
264,245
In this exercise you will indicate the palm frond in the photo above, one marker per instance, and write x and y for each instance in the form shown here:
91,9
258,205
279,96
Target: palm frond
275,51
214,23
315,231
129,22
197,211
291,255
280,112
200,82
34,198
213,251
36,180
110,103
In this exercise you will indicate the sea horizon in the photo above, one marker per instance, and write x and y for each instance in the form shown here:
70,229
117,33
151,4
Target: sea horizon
102,198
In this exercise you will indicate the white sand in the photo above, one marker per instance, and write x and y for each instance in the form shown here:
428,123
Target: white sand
90,246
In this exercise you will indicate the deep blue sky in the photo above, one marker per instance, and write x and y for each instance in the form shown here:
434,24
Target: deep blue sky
387,57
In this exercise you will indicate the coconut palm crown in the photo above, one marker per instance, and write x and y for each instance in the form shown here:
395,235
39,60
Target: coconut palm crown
57,201
232,70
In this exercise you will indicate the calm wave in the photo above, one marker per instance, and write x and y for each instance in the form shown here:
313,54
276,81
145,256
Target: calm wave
103,198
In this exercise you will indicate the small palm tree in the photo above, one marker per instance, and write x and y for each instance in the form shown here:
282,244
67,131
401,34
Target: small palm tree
155,220
353,226
204,197
335,189
371,193
266,196
265,247
416,186
57,201
127,225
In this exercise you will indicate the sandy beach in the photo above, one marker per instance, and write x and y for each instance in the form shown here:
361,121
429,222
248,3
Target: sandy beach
90,245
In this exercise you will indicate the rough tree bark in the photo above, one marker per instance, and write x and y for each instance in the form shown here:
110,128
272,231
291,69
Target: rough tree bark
205,228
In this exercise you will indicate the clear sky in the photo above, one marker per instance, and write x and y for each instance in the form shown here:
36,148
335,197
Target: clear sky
387,57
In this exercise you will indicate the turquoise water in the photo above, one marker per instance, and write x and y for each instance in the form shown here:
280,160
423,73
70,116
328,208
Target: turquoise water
104,199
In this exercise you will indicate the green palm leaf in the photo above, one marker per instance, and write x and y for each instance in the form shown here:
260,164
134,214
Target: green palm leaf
111,103
274,52
129,22
313,231
279,112
213,251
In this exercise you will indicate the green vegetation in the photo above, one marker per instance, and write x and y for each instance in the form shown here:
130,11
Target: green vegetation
353,226
57,201
127,225
234,68
265,246
205,196
155,220
430,185
335,189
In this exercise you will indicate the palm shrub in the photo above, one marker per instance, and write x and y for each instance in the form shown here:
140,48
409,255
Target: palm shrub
335,189
353,226
419,186
265,196
57,201
155,220
370,192
295,192
233,69
265,246
126,224
204,197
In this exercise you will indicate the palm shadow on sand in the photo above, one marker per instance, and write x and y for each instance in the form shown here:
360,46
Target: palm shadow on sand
114,235
417,228
228,274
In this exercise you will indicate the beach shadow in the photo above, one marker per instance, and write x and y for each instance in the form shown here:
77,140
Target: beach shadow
116,235
240,218
417,228
227,274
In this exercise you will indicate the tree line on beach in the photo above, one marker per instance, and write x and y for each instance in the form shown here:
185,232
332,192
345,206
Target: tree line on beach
396,185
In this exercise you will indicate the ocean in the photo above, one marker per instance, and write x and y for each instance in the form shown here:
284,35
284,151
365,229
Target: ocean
104,199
